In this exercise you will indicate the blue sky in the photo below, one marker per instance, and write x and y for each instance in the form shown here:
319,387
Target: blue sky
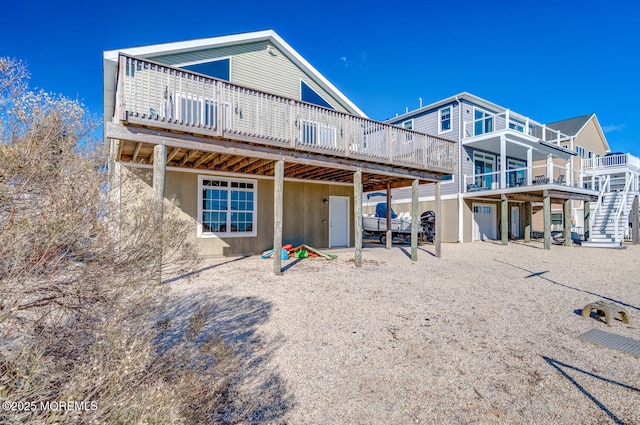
548,60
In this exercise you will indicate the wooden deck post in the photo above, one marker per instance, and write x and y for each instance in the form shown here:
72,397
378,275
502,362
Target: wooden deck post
438,235
546,210
504,220
415,220
635,221
566,220
278,190
587,220
388,220
159,174
357,216
527,221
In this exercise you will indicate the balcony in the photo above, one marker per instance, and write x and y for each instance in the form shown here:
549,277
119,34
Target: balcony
156,96
610,163
549,176
490,125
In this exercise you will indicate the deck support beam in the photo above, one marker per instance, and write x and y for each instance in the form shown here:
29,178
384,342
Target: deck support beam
527,222
635,219
278,190
438,235
159,174
357,216
546,211
414,220
504,220
587,220
388,220
566,220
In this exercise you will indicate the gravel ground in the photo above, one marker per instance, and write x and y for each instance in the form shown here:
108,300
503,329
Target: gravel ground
486,334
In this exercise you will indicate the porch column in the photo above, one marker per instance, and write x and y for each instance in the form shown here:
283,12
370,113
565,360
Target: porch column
587,220
504,220
159,174
569,179
357,216
438,236
550,169
527,221
415,220
388,220
546,207
278,191
635,221
566,220
503,162
529,166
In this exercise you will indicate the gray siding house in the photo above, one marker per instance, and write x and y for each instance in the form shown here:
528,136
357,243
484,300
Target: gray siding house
507,164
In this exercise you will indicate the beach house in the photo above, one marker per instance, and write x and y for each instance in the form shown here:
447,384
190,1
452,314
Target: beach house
256,145
510,166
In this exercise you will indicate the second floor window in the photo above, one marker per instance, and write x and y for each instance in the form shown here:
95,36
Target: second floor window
482,122
580,151
445,119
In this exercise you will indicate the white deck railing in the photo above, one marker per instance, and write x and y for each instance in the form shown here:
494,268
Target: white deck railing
623,160
527,177
153,94
509,120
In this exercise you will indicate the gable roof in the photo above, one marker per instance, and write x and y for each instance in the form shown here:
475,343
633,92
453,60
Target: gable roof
573,126
236,39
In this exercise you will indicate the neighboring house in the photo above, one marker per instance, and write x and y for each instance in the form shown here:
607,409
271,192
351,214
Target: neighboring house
259,148
586,138
506,162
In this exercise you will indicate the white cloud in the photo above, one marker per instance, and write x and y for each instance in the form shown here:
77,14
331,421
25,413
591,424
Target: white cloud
613,127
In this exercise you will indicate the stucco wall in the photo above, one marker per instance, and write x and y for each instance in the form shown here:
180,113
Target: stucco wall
305,215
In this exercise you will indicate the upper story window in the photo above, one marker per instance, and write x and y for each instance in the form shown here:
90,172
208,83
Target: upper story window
316,133
227,207
589,154
517,125
482,122
307,94
220,68
408,124
444,119
580,151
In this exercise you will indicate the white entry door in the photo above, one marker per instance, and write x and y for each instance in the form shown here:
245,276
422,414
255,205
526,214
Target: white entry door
515,221
338,221
484,221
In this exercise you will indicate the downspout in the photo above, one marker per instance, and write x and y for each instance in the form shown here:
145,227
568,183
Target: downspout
460,179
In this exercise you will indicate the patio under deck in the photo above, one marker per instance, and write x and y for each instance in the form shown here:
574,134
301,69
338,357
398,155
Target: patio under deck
168,117
545,193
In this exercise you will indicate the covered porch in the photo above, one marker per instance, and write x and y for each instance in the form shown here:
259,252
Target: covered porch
545,194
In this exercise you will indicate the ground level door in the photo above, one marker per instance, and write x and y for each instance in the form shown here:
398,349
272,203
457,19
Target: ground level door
515,222
338,221
484,221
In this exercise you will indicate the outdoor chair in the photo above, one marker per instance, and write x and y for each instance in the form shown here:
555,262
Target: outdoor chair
540,180
520,181
472,187
560,179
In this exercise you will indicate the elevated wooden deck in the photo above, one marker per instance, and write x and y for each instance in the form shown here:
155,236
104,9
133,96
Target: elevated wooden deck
211,124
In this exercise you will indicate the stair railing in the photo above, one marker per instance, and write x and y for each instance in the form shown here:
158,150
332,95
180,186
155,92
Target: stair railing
603,189
622,207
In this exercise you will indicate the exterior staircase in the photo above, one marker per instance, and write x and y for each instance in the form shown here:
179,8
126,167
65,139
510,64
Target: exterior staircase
609,219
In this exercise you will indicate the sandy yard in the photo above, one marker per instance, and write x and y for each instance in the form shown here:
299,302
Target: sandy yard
486,334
